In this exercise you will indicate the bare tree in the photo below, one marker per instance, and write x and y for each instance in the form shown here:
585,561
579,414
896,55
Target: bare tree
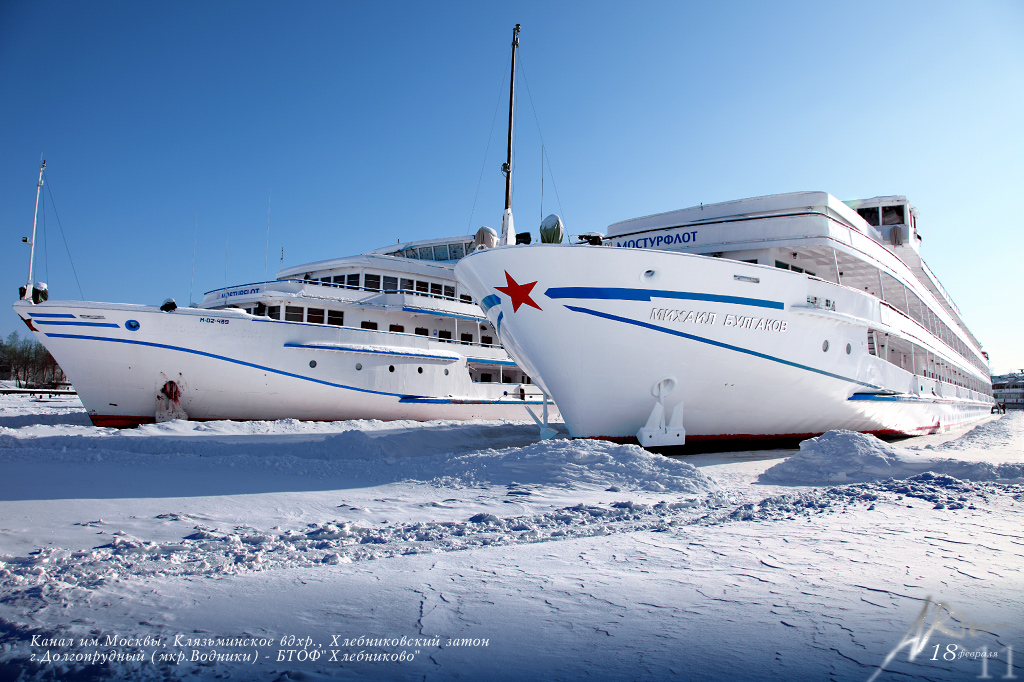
29,363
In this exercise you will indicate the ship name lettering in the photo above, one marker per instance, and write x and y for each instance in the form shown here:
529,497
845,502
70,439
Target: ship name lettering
660,240
692,316
240,292
755,323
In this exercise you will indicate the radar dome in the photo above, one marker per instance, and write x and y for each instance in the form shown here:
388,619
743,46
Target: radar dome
552,231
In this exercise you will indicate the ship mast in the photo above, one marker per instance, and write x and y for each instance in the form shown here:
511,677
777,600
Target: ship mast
32,241
506,168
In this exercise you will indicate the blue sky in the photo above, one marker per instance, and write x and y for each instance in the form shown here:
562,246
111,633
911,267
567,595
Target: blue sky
365,123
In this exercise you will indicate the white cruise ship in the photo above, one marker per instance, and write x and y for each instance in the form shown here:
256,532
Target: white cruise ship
773,317
388,334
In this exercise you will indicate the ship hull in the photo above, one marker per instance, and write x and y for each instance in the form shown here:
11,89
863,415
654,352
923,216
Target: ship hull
748,357
137,364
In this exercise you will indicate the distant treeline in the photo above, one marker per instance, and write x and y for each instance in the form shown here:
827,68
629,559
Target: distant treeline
29,363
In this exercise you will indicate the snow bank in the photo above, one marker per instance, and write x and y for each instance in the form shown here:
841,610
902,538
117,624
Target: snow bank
183,459
850,457
572,464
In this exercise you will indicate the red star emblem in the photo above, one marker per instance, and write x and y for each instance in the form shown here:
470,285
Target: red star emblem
518,293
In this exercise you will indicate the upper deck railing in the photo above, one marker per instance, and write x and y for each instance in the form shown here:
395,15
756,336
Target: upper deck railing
250,290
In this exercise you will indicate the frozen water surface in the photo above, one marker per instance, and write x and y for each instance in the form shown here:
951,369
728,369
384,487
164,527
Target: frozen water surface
453,550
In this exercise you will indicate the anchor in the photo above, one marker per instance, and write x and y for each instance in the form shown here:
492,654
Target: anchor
656,433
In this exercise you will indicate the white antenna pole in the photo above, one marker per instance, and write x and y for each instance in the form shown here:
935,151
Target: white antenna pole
191,280
266,251
32,242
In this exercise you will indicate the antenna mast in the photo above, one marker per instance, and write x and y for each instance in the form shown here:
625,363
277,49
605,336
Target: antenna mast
506,168
32,241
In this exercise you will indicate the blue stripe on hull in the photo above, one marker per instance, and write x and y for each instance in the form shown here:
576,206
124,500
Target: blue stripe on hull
719,344
224,358
470,401
489,302
906,398
622,294
77,324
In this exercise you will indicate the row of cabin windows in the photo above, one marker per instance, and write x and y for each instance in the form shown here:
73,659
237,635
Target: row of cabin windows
300,314
337,317
921,312
488,378
911,305
438,252
900,354
386,283
787,266
442,334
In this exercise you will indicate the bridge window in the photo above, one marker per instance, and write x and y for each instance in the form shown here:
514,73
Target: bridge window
371,282
892,215
390,283
274,312
870,215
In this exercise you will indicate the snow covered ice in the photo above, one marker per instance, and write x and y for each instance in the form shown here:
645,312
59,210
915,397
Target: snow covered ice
451,550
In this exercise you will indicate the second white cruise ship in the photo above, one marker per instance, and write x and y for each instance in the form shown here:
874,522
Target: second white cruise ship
388,334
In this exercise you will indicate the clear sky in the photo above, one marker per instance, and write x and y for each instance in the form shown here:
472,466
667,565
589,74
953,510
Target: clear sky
365,123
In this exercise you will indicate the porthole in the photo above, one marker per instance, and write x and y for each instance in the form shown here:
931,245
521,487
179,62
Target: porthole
359,366
849,349
446,372
312,363
648,277
391,368
419,370
824,346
